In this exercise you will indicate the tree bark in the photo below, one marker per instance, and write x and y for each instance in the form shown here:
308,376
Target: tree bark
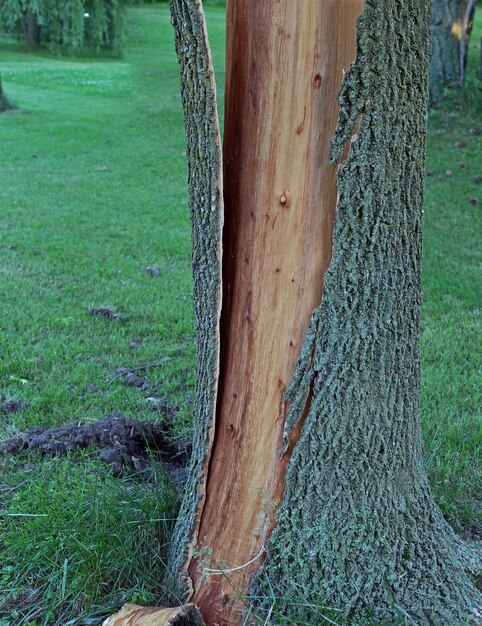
204,156
339,446
31,29
4,103
451,29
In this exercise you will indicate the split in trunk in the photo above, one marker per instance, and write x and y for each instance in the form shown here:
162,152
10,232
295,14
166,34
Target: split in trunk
284,62
316,487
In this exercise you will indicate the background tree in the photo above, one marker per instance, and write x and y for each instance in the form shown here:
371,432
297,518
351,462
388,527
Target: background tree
70,26
451,28
340,445
4,103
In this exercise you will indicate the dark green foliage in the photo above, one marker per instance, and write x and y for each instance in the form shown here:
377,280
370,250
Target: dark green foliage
69,26
81,553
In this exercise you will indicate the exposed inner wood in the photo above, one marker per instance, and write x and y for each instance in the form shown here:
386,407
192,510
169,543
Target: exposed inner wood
133,615
284,65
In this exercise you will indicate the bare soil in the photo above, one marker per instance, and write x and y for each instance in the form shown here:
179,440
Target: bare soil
124,443
8,406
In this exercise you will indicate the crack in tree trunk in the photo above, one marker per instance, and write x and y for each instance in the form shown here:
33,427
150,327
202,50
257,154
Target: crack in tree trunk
204,156
357,527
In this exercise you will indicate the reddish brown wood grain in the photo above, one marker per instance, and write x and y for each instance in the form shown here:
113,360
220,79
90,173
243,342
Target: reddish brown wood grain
285,61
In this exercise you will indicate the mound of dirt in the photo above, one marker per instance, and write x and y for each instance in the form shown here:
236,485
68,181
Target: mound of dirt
124,443
10,405
105,311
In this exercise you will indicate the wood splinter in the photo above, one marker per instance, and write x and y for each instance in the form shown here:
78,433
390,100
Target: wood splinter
133,615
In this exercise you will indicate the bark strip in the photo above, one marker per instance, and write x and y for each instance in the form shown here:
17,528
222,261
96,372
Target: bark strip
133,615
204,156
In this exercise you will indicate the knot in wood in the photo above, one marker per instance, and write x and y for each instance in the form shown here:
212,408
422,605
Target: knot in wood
285,199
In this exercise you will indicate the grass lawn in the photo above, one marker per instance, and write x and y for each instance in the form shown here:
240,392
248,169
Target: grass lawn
93,192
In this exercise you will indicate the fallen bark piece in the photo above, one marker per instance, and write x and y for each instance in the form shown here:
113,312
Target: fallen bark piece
133,615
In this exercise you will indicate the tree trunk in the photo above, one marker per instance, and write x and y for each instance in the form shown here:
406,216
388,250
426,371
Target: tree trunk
451,28
31,29
312,489
4,103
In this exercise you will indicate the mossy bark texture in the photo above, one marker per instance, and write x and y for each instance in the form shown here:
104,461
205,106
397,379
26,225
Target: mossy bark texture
358,529
448,30
203,151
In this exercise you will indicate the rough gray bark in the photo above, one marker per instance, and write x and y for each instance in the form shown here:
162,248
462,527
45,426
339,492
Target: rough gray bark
358,529
206,206
449,39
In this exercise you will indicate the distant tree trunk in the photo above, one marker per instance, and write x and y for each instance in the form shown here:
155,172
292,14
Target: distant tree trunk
31,29
4,103
451,28
307,482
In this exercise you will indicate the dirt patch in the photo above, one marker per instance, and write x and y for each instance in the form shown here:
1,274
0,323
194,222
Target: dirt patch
105,311
124,443
153,270
94,389
8,406
160,405
134,377
137,377
132,380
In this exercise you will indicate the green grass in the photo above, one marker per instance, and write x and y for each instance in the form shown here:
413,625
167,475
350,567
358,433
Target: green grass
452,287
75,236
93,191
76,539
92,171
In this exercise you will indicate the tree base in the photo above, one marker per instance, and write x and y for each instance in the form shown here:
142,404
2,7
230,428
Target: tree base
390,560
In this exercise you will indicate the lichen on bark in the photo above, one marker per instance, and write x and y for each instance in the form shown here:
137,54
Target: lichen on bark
358,529
204,156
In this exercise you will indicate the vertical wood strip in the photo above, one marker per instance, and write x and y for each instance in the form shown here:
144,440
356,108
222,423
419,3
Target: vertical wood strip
285,62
